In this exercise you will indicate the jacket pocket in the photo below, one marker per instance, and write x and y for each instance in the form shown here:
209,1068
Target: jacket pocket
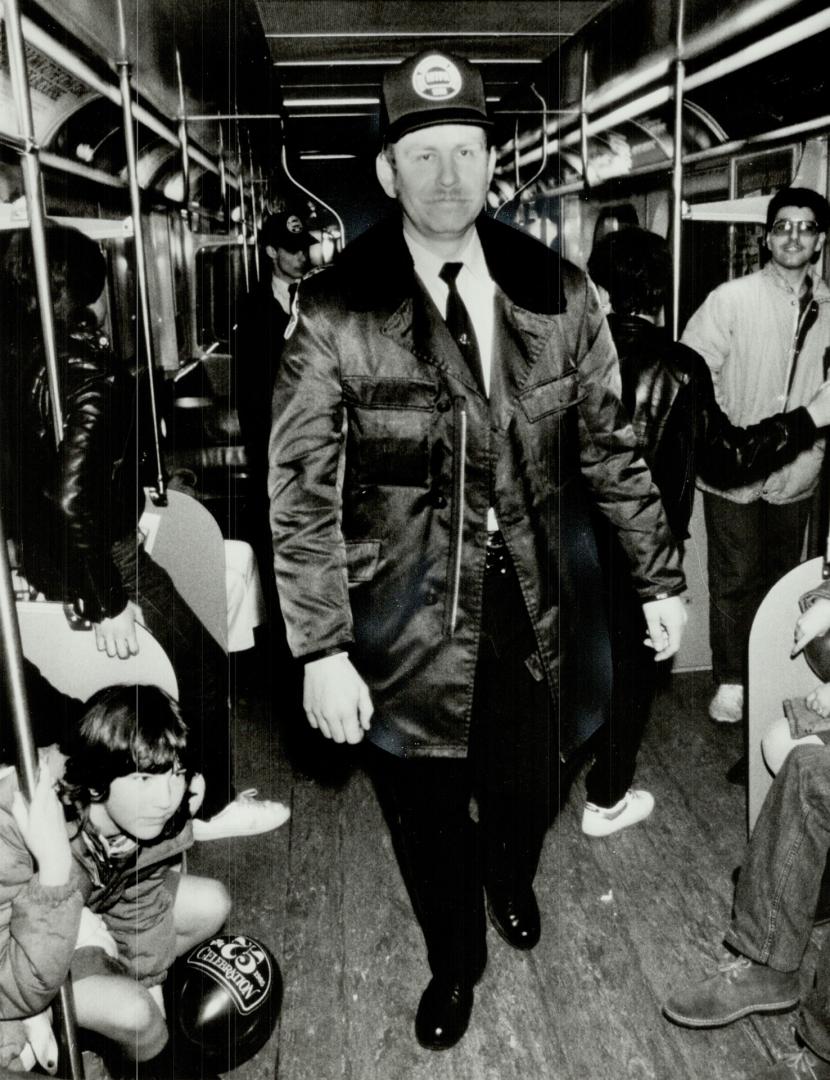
389,422
362,558
549,398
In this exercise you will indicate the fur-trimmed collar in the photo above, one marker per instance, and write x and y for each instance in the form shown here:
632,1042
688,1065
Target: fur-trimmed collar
375,271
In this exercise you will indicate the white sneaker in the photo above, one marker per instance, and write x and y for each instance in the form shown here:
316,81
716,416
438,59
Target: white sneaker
245,816
727,706
634,806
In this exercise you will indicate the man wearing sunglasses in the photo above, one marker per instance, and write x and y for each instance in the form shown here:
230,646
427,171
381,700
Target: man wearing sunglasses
766,338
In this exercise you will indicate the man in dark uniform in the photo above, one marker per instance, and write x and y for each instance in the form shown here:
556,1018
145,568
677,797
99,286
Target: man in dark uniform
263,319
444,405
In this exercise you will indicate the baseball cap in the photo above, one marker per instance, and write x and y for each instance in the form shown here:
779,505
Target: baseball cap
287,231
432,88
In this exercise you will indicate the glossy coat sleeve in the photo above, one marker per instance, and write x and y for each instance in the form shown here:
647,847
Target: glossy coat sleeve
727,456
616,474
84,493
306,462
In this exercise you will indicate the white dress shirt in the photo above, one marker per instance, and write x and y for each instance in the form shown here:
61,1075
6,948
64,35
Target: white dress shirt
476,288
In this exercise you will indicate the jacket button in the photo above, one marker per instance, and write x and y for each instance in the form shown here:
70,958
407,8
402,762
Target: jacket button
431,597
439,501
444,405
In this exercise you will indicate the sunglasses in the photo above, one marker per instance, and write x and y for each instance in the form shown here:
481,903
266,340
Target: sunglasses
785,227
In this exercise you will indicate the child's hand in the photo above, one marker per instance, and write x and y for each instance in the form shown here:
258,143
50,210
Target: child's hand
43,828
197,793
812,623
819,700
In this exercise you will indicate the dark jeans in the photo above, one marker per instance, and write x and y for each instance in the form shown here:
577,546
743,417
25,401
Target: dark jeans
200,665
778,887
447,858
751,546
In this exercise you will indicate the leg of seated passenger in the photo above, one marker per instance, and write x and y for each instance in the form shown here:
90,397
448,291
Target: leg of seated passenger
814,1021
778,742
778,887
200,910
120,1009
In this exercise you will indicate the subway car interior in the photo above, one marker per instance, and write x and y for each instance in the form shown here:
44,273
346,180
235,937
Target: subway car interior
169,134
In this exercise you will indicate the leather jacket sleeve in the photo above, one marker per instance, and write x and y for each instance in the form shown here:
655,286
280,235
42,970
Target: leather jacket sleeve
610,462
84,488
727,456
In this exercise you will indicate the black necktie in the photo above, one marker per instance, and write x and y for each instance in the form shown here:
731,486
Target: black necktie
460,325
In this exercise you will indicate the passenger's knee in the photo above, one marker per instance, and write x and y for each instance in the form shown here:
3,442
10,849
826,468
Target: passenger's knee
214,907
808,765
140,1016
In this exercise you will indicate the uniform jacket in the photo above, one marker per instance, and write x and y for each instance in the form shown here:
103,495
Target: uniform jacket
766,356
385,457
680,428
75,502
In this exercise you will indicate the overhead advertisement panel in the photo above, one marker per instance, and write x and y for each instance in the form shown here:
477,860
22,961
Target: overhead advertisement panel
55,94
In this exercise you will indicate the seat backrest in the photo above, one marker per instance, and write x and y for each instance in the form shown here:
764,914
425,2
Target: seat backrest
184,538
773,676
70,661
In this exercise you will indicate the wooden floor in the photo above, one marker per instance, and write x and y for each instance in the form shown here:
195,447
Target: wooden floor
624,920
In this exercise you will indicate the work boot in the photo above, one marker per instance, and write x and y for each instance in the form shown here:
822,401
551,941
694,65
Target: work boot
738,987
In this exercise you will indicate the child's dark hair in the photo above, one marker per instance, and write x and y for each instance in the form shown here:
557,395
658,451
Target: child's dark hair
124,730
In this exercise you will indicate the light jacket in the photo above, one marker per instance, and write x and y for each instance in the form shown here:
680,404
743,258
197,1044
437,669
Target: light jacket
38,923
385,458
749,332
680,428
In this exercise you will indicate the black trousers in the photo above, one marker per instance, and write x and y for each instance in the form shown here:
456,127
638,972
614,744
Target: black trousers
636,677
751,546
446,857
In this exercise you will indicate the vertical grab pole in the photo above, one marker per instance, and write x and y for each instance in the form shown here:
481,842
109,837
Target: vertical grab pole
123,66
253,206
677,170
11,659
33,186
183,138
583,119
243,231
11,653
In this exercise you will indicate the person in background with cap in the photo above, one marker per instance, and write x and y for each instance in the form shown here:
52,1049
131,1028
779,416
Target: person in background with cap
263,319
443,407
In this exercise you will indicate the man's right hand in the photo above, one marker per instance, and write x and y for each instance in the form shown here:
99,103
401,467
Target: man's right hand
336,700
819,406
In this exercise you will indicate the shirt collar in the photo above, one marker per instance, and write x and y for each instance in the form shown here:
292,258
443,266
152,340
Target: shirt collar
428,264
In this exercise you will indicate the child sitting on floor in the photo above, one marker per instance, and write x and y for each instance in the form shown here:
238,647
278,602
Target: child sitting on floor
128,794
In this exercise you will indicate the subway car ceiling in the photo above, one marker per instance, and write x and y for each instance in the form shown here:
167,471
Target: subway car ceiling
304,78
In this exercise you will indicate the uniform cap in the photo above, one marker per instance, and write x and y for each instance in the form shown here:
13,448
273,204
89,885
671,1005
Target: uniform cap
432,88
286,231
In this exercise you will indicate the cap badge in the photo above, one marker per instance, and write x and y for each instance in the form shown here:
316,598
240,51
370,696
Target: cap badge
436,78
293,224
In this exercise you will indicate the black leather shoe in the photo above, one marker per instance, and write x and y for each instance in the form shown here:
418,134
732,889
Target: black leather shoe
443,1014
516,917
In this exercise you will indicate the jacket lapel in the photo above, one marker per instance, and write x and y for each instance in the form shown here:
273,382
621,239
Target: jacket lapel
417,326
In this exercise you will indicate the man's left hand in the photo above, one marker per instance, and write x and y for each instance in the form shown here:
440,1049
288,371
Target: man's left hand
665,620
